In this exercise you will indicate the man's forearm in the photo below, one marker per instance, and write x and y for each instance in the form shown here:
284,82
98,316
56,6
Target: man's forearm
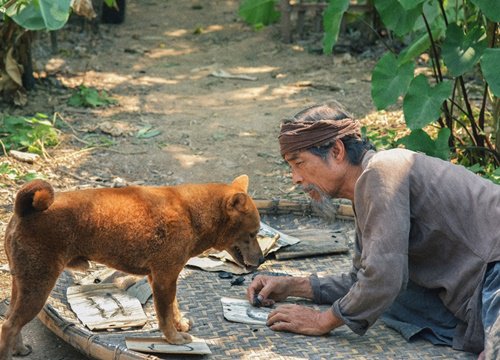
301,287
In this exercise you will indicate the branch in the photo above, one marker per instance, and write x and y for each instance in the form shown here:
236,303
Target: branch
493,28
433,46
465,128
495,154
443,12
9,3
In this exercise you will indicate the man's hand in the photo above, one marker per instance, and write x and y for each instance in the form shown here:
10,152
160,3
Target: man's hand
303,320
265,290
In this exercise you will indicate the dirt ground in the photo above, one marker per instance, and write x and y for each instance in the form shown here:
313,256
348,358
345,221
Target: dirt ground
160,66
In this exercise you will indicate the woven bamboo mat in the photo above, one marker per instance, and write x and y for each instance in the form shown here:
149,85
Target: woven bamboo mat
199,295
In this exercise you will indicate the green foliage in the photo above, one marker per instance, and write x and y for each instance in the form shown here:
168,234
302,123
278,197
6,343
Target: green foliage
332,18
10,172
147,132
31,134
396,17
390,80
6,170
259,12
490,8
422,103
90,97
488,172
419,140
41,14
489,64
382,139
110,3
463,44
462,51
98,140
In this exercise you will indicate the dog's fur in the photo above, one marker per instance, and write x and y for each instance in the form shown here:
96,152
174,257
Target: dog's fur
139,230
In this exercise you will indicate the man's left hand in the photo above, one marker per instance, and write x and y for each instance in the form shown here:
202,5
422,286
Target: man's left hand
302,320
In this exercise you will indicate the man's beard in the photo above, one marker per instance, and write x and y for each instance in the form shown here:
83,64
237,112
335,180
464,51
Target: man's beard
324,206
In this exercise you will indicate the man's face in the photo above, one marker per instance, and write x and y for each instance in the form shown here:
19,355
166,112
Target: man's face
317,176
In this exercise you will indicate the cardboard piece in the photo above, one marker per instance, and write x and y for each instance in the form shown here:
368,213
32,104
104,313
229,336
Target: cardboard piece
270,240
241,311
314,242
104,306
160,346
141,290
101,276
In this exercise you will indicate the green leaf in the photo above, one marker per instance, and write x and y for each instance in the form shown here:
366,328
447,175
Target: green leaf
42,14
422,43
415,49
410,4
396,18
147,132
111,3
432,14
419,140
28,133
90,97
442,149
489,65
422,103
462,51
490,8
257,12
390,80
332,18
476,168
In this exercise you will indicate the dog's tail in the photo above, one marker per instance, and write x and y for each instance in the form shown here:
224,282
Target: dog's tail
37,195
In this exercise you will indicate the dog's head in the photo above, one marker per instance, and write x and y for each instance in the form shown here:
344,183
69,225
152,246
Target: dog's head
240,239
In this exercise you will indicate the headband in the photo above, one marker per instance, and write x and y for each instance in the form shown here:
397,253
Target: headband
301,135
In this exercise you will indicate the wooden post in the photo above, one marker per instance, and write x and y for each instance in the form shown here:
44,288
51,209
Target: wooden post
285,23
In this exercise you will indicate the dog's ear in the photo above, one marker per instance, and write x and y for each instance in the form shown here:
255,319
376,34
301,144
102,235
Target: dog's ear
241,183
237,202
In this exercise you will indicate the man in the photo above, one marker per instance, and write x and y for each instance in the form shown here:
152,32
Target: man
427,250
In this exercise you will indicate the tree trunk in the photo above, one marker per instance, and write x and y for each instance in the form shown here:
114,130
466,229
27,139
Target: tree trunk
24,58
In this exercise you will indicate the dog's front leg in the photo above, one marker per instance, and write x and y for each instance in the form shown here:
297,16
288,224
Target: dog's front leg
181,323
11,343
164,291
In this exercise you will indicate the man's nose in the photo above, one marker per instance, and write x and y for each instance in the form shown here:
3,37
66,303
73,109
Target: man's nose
296,178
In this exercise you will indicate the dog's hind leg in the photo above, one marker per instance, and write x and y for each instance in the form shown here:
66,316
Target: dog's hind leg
164,288
30,294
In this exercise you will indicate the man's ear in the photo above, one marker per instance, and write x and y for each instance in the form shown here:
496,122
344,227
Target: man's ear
241,183
237,202
338,150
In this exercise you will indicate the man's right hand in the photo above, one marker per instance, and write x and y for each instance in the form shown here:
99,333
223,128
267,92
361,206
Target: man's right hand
266,290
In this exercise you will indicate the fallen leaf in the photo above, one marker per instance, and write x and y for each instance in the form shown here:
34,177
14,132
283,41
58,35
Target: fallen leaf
13,68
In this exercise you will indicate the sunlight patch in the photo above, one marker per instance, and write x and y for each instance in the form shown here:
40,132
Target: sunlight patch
159,53
251,93
177,33
252,70
185,160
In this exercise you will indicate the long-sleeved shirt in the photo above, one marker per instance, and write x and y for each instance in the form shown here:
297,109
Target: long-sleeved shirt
423,219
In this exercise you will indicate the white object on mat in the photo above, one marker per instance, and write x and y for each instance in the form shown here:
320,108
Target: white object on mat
104,306
159,345
240,310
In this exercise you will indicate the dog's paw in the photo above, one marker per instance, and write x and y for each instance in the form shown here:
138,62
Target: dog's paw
184,324
23,350
180,338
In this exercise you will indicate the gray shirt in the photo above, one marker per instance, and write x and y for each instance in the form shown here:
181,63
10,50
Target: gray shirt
423,219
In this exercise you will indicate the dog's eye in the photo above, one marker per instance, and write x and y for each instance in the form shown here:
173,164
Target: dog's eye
253,234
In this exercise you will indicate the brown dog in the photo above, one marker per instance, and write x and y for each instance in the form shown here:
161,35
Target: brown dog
140,230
